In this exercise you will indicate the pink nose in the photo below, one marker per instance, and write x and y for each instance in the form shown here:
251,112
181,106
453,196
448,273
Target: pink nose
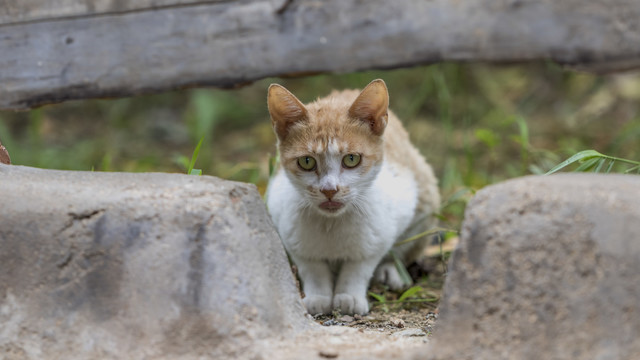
329,193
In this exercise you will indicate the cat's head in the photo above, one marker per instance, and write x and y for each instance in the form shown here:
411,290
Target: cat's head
331,149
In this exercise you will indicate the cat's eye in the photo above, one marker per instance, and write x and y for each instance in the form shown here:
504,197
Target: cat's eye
307,163
351,160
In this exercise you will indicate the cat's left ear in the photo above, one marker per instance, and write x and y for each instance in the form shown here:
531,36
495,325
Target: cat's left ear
285,109
372,106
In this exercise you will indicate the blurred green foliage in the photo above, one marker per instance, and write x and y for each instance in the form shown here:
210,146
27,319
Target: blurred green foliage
476,124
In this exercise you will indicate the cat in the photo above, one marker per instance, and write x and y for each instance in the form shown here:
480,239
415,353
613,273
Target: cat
349,186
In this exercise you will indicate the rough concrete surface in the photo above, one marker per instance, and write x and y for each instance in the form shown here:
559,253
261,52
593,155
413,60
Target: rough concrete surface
166,266
154,266
138,266
547,268
58,50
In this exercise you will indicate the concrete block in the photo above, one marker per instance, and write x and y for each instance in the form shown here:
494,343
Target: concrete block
138,266
547,268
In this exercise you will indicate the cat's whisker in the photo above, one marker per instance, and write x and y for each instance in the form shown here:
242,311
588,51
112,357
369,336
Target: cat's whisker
359,204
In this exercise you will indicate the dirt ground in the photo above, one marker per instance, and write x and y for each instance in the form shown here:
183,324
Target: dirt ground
417,322
378,335
391,329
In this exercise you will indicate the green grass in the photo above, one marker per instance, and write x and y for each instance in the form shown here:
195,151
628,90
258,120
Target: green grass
591,160
194,158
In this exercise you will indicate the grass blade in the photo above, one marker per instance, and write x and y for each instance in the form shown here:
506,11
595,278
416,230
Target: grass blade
410,292
378,297
194,157
587,165
524,142
581,156
427,300
458,195
432,231
637,167
610,166
599,166
402,271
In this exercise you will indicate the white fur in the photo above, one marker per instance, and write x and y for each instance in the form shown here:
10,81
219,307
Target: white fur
337,253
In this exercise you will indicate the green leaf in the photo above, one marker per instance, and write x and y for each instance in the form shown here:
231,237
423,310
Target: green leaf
194,157
610,166
410,292
581,156
195,172
379,298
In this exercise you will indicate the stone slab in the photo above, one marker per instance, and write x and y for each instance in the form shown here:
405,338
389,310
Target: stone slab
547,268
138,266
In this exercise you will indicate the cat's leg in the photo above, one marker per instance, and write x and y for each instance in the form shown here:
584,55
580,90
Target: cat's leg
387,273
351,286
317,284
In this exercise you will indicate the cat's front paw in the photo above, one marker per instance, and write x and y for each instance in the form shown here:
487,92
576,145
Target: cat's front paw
317,304
387,274
349,304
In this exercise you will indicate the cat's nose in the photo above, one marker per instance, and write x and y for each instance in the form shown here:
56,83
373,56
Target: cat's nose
329,192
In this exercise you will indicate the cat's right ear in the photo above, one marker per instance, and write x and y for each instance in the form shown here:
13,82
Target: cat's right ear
372,105
285,109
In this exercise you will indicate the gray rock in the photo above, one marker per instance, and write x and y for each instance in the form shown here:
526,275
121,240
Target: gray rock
132,266
547,268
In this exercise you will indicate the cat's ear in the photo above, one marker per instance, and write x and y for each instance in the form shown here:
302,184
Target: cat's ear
372,105
285,109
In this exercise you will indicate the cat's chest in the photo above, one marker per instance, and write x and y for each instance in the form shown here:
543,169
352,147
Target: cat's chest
385,211
339,239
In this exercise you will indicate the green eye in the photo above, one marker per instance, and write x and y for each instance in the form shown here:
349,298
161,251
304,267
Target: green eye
351,160
307,163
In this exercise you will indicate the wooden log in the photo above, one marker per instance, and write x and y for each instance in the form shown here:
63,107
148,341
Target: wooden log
144,46
13,11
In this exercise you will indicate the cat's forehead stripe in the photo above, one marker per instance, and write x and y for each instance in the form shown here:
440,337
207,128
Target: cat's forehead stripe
333,146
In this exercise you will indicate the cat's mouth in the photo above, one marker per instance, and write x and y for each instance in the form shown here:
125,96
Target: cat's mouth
331,206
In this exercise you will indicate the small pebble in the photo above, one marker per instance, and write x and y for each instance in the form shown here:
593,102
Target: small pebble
330,322
399,323
328,354
346,318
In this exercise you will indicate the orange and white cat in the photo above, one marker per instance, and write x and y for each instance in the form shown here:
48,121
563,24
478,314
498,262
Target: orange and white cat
349,187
